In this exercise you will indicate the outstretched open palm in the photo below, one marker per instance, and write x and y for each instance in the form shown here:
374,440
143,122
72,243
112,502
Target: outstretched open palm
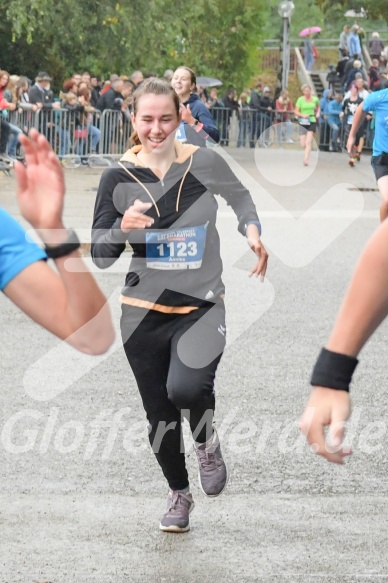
41,185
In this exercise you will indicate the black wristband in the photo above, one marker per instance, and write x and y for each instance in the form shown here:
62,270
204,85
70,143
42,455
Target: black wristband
333,370
71,244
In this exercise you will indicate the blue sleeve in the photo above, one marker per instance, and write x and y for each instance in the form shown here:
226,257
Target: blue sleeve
16,252
369,104
206,119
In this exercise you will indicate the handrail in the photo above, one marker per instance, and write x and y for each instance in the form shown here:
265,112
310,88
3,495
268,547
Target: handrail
367,59
304,76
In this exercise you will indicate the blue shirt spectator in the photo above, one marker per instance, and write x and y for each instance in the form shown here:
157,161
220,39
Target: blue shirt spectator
334,109
354,43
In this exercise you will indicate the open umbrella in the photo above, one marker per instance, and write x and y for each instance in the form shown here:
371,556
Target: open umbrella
311,30
208,82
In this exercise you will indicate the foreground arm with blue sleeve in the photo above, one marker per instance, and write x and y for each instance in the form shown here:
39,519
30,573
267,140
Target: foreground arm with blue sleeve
67,303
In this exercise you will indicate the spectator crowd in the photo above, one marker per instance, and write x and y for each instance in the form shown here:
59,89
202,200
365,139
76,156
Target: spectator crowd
90,116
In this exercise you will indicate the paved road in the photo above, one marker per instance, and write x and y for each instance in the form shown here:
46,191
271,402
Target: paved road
80,493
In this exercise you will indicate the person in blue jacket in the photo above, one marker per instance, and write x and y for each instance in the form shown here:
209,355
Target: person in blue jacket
197,124
334,121
324,130
67,303
354,42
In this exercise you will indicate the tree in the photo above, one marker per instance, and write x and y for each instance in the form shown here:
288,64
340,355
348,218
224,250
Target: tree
212,37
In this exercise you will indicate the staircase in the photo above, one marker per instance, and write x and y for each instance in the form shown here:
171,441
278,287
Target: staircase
318,85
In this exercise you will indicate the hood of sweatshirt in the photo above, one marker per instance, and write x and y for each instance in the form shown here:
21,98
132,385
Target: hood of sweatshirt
193,97
183,151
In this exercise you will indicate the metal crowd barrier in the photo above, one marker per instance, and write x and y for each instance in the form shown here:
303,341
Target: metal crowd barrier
77,136
328,140
260,127
96,138
263,128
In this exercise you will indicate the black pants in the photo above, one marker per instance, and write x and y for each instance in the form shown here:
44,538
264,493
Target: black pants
5,130
174,359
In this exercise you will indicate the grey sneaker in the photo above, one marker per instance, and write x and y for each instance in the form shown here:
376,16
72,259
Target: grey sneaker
176,517
212,473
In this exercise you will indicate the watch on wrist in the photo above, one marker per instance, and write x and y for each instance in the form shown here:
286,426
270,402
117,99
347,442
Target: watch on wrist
71,244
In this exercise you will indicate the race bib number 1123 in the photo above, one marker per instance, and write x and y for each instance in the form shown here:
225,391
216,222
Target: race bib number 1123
176,249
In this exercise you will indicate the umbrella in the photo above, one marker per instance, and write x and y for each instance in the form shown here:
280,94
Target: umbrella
208,82
355,14
311,30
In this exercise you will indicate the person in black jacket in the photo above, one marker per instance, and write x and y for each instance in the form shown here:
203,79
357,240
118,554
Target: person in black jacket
111,102
41,95
161,199
197,125
231,105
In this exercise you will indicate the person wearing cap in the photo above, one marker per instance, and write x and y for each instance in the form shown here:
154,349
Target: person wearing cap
40,92
41,95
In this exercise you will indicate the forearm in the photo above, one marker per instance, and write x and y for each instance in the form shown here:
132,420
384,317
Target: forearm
252,234
76,297
85,308
69,305
366,303
107,244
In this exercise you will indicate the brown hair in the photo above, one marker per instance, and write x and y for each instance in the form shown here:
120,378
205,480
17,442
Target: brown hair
2,72
193,78
68,84
85,93
152,86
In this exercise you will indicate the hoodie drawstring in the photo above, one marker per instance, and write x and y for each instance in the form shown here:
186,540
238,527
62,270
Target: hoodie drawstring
148,192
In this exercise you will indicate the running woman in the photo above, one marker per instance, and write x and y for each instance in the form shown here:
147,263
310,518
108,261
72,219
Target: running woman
349,108
160,198
375,102
307,111
197,124
68,304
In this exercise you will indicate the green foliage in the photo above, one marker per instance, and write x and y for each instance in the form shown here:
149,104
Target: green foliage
213,37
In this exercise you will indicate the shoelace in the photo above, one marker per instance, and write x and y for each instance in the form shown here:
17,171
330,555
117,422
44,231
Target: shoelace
177,499
208,460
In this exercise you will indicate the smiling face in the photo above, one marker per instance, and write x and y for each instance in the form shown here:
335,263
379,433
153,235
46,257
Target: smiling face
307,92
155,122
182,83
